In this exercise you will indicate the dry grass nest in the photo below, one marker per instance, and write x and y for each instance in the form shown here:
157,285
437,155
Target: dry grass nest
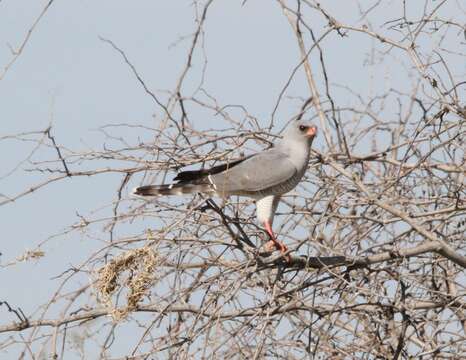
132,272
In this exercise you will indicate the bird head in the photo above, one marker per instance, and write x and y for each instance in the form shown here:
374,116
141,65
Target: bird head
300,131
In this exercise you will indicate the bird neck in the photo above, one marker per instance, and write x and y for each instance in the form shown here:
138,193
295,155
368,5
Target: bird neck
297,151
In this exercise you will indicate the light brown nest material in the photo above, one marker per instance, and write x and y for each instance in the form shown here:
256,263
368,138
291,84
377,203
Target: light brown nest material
133,272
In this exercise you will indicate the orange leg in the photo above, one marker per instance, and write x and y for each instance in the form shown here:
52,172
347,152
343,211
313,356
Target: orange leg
273,241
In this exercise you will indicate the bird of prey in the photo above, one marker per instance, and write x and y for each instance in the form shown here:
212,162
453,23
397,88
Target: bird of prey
264,176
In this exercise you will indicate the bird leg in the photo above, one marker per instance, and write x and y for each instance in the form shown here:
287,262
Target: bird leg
273,241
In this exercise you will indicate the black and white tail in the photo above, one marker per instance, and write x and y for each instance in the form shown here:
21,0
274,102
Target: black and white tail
173,189
188,182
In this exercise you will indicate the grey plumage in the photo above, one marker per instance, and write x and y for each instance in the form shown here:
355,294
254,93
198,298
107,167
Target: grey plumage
264,176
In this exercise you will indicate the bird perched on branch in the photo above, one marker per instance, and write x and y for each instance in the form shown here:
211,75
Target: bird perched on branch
264,176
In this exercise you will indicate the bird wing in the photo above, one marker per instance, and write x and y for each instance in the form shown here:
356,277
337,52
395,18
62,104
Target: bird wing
194,175
257,173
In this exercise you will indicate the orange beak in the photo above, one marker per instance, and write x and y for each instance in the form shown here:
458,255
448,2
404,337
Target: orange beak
311,131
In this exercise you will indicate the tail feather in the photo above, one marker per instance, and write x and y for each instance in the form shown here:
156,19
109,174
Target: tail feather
172,189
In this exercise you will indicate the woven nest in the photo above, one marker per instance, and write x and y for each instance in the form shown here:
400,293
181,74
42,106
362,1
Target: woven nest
132,272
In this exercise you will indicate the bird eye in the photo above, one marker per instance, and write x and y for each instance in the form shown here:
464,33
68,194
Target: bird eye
302,128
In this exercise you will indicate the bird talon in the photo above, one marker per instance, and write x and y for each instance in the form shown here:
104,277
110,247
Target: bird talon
272,245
